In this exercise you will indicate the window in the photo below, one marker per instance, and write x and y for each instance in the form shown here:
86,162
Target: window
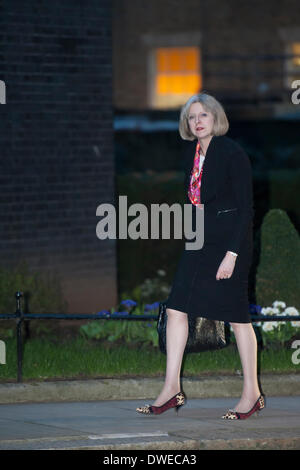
296,54
292,67
176,75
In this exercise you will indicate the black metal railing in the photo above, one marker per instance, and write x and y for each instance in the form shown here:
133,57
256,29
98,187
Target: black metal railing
21,317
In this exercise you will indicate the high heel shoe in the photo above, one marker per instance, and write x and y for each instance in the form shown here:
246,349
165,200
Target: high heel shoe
176,402
258,405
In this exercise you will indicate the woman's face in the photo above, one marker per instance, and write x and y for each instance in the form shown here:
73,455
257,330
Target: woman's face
200,121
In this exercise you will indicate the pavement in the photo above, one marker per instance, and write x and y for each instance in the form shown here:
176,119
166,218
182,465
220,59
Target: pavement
115,425
71,418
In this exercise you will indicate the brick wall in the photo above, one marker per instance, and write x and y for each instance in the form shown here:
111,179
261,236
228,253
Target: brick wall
57,154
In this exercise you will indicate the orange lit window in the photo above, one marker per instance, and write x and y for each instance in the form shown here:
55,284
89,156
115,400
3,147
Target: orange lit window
296,53
292,63
177,75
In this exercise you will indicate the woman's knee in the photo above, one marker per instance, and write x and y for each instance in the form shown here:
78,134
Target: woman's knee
240,326
177,314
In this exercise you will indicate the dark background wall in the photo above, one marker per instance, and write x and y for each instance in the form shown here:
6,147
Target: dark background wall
56,134
243,48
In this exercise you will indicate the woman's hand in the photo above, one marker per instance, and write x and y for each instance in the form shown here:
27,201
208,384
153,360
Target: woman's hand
226,267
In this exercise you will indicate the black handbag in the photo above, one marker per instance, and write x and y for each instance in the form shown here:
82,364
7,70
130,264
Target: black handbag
204,334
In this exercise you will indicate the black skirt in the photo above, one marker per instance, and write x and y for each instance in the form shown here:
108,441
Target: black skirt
195,289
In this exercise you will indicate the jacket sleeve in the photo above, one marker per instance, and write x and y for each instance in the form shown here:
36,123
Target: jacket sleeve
240,173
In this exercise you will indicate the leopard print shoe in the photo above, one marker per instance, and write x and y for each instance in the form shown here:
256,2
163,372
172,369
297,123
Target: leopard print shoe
176,402
258,406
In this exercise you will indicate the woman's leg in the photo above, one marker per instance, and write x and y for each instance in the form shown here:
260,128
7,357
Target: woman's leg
176,338
247,347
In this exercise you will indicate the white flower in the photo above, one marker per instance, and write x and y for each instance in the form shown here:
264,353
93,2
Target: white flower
279,304
269,326
270,311
291,311
267,311
296,324
165,289
161,272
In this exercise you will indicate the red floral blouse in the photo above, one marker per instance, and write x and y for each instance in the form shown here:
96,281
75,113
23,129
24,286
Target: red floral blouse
195,181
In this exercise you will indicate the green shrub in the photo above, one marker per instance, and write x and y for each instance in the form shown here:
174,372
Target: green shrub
127,331
150,290
278,274
284,187
42,291
147,188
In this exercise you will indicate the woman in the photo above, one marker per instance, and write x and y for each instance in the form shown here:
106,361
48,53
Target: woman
213,282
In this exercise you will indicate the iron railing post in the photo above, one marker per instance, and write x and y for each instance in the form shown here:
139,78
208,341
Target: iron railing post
20,320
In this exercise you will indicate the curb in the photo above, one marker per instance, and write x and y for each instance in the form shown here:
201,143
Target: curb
269,443
203,444
145,388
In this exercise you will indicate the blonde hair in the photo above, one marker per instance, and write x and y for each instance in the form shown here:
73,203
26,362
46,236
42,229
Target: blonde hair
209,103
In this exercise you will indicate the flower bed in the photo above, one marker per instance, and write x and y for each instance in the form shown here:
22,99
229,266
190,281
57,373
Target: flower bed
269,333
280,331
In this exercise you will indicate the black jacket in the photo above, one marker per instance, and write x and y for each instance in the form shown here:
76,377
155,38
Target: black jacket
226,184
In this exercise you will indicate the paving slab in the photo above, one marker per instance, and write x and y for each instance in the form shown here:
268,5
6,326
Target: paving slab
115,425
